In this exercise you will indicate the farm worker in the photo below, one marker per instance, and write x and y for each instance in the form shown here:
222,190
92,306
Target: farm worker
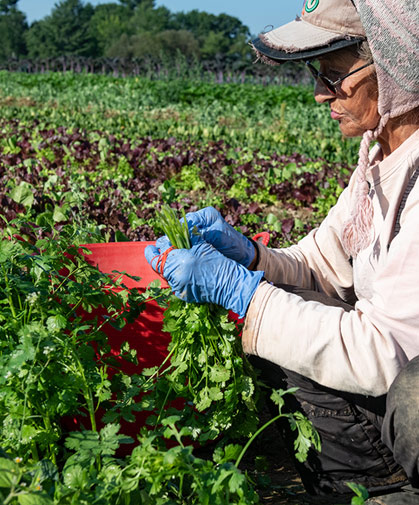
337,315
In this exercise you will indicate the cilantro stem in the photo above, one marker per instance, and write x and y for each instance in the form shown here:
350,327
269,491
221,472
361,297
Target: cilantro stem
34,450
80,267
26,401
74,307
206,363
48,427
162,407
12,495
255,435
28,314
166,359
87,393
223,339
176,232
181,485
20,302
193,371
9,296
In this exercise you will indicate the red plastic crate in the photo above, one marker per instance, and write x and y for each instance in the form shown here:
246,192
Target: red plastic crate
145,335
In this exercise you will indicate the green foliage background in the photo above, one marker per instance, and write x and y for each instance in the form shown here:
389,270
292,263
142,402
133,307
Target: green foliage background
124,29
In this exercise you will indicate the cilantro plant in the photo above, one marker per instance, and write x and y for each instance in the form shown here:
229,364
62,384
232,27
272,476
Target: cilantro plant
54,360
361,493
55,365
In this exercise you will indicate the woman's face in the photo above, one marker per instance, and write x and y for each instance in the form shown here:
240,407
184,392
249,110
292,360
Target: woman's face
355,104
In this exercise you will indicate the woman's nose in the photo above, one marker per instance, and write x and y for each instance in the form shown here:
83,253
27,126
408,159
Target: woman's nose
321,93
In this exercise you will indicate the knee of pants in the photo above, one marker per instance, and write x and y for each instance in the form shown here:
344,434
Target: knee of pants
404,392
401,428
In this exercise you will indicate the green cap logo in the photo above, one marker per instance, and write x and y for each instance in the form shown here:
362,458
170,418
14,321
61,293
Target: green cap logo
311,5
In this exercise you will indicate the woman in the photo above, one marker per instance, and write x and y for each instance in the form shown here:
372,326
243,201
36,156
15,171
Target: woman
337,315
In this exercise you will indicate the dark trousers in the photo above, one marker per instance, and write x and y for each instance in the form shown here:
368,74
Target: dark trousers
366,440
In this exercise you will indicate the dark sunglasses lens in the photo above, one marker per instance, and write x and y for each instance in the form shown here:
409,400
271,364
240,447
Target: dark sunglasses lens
317,75
328,85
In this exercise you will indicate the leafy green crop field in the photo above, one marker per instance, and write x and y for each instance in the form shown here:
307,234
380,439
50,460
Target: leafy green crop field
90,158
270,119
267,156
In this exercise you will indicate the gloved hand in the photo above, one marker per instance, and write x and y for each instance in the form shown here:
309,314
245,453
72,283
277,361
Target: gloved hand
216,231
204,275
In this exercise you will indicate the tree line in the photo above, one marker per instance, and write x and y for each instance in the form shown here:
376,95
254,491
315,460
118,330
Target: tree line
123,29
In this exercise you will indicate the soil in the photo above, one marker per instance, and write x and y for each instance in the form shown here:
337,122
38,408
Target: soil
270,468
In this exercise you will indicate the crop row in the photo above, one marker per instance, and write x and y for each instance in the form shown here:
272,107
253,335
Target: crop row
117,185
272,119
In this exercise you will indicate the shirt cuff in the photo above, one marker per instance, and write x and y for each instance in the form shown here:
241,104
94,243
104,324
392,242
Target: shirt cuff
254,317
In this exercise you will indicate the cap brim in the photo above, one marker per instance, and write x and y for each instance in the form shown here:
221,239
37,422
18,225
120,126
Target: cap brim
300,40
308,54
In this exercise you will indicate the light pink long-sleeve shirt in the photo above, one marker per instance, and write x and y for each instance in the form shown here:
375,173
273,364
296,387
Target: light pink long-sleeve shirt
360,351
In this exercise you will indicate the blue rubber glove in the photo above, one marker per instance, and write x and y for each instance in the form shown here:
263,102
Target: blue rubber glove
203,275
216,231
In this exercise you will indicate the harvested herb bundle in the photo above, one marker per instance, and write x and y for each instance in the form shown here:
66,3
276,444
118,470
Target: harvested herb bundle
208,368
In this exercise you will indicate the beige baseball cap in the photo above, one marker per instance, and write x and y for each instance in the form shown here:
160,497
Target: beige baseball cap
324,26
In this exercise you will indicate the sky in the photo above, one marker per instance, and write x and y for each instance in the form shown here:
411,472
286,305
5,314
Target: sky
256,15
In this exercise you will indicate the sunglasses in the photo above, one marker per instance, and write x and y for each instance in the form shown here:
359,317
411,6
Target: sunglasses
331,85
